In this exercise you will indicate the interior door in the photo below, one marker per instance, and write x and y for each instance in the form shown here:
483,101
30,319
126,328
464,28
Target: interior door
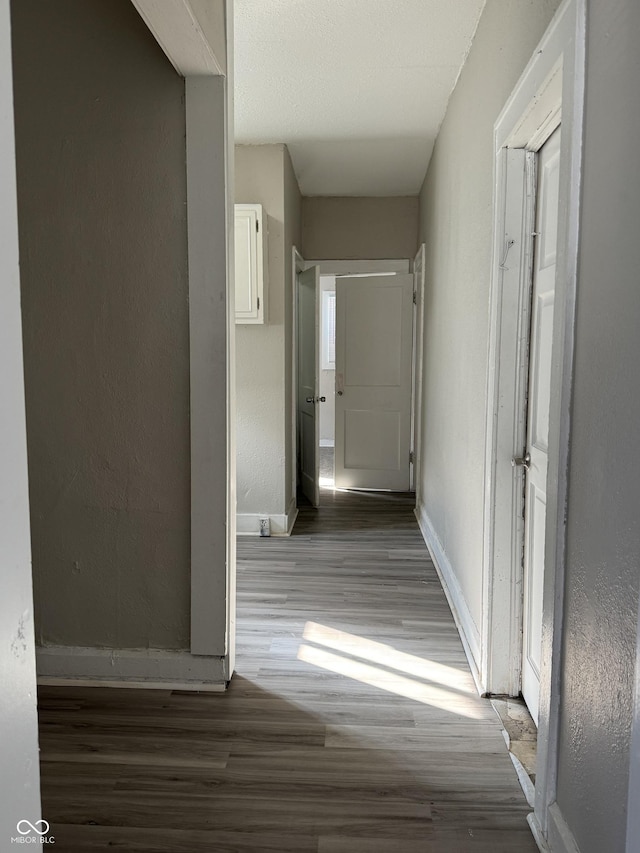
374,316
543,294
308,302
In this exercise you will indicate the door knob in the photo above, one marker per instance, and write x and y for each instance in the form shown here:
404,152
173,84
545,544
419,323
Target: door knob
322,399
340,393
309,400
521,461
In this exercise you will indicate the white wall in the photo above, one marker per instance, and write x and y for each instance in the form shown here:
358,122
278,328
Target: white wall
263,352
603,521
456,225
19,785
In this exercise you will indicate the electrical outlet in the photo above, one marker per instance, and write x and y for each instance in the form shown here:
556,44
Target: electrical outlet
265,527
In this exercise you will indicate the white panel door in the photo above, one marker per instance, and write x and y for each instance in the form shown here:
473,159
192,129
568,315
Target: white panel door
374,317
543,293
308,373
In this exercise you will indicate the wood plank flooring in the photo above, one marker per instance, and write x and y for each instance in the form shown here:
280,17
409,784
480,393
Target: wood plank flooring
352,724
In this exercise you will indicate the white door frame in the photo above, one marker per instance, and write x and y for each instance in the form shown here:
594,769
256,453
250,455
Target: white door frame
298,265
419,264
309,485
339,268
550,91
327,267
359,267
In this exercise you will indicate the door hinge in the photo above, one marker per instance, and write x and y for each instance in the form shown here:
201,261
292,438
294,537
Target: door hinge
415,297
411,457
258,300
258,225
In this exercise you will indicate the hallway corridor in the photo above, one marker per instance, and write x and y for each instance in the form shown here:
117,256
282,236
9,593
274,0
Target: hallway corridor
352,724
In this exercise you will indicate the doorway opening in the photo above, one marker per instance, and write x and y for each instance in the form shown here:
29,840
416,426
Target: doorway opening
327,380
346,424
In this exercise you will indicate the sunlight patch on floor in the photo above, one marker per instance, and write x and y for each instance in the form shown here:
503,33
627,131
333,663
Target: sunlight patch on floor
387,656
380,665
426,694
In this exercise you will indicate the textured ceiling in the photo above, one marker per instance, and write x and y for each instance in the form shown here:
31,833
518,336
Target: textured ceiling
356,88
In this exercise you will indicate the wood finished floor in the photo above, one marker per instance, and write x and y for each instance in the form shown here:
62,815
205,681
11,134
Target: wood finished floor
352,724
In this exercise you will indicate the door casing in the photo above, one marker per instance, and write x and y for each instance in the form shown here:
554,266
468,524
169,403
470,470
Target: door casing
307,399
326,267
419,264
550,90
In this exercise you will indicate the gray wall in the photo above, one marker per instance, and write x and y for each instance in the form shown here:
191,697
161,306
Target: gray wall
603,530
263,352
456,225
100,131
345,228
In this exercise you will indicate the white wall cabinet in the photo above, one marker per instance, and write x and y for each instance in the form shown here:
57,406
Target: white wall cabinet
250,263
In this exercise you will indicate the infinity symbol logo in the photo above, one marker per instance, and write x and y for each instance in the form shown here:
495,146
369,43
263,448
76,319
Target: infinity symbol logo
32,828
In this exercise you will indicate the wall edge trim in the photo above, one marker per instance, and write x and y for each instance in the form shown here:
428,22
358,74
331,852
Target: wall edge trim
179,33
536,831
559,837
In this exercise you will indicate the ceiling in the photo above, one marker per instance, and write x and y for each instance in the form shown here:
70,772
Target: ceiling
357,89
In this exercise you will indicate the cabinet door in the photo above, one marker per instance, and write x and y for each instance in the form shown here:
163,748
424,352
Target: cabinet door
249,263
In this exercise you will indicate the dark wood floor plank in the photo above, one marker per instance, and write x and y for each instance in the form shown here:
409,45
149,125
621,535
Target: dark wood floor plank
72,838
352,723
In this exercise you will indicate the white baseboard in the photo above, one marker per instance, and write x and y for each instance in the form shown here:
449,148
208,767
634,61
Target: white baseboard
536,831
559,837
453,591
528,788
146,668
248,523
292,520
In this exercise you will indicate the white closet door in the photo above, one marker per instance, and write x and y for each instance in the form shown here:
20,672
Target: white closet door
543,295
374,317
